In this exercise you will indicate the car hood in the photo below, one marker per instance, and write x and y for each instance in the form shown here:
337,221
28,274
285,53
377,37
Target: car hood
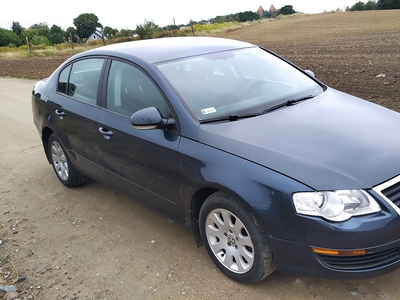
333,141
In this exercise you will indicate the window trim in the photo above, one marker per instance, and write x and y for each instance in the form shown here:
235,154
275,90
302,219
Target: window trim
70,64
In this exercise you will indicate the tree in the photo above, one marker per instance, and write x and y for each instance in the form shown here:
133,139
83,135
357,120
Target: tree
71,32
126,32
287,10
171,27
358,6
110,32
41,29
85,24
388,4
40,26
56,29
147,30
248,16
9,38
17,28
41,34
219,19
370,5
57,35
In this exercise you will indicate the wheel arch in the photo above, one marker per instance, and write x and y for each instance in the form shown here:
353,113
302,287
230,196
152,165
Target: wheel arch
197,201
201,196
46,132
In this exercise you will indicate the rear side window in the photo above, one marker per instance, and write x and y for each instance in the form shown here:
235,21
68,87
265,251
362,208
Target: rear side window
80,80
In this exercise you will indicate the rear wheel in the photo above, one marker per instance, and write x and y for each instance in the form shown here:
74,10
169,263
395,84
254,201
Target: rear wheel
234,240
62,166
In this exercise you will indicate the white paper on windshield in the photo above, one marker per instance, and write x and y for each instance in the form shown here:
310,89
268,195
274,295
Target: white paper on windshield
209,110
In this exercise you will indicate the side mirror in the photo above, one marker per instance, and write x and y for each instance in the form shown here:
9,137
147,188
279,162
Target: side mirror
311,73
150,118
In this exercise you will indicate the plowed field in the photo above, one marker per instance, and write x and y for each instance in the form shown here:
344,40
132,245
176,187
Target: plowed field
355,52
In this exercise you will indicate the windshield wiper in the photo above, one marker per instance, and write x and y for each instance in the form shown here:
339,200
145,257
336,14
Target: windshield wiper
287,103
236,117
231,118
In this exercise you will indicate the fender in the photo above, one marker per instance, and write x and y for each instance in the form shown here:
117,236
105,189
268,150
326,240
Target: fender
265,191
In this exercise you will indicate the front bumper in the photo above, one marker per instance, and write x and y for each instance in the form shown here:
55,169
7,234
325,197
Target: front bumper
377,234
296,258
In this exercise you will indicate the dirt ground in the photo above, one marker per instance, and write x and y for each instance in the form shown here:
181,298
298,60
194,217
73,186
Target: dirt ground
93,243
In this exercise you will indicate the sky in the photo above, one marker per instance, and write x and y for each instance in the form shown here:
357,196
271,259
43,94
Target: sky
126,15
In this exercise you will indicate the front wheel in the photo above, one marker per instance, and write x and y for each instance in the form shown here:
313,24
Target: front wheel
62,166
234,240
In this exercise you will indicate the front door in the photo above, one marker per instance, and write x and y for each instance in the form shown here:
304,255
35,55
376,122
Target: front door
142,163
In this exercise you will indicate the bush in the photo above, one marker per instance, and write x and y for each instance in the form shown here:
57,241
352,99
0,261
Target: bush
63,46
23,47
39,47
172,33
4,49
123,39
96,43
214,26
39,40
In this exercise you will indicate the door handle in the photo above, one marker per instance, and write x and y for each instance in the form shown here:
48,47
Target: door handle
60,113
106,133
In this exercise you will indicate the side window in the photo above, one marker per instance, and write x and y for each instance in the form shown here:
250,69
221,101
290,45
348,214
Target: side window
63,80
81,79
129,90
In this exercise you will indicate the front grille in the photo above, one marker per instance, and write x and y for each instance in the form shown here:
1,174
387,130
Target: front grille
390,191
393,193
360,262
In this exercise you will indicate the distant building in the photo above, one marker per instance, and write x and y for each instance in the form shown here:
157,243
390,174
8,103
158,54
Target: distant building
260,11
94,36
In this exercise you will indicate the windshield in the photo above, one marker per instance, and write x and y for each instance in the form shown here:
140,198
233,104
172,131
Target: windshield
236,82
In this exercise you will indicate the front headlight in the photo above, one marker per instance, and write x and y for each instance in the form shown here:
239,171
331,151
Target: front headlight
335,205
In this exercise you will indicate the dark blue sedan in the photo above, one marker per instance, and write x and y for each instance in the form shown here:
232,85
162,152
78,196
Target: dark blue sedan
271,168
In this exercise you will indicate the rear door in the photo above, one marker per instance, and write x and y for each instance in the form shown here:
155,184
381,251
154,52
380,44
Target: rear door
142,163
76,110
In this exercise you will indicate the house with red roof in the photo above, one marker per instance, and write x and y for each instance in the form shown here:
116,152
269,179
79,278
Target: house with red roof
260,11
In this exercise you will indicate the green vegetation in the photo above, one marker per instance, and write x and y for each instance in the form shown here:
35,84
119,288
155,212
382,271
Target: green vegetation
287,10
54,38
85,24
375,5
147,30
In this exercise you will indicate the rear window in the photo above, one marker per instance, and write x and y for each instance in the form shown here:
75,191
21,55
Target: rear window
80,80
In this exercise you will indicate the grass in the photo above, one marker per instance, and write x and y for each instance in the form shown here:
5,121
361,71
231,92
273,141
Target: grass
66,49
23,52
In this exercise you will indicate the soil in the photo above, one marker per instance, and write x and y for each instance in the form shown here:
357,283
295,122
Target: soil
93,243
355,52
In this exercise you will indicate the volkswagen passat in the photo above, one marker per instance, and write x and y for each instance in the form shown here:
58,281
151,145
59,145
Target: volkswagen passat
271,168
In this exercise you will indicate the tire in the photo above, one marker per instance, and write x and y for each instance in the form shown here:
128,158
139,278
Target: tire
62,165
233,239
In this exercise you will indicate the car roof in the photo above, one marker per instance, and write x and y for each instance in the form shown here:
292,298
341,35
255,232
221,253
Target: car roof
170,48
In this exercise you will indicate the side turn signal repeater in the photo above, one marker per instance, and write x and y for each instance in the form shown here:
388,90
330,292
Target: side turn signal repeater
338,252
